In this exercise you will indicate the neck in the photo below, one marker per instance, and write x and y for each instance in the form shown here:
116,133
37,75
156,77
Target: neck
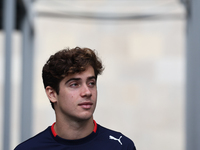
73,130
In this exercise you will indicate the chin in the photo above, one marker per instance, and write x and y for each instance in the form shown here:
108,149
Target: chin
85,117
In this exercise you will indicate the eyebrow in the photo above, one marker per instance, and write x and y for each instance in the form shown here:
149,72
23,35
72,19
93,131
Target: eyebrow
77,79
72,79
92,77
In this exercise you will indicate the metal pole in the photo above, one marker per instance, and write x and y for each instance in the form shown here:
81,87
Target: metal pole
27,77
8,24
193,77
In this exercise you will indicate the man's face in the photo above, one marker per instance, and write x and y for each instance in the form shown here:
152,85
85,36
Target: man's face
77,96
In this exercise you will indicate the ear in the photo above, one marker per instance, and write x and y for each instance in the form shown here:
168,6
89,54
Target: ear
51,94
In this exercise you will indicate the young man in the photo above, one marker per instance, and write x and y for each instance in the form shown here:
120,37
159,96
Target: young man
70,78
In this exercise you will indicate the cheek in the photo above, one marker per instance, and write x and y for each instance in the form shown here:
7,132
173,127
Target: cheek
73,96
95,91
95,94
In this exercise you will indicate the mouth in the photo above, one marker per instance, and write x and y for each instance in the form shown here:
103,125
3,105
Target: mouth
85,105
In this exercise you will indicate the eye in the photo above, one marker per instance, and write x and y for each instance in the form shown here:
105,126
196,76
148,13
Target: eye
91,83
74,84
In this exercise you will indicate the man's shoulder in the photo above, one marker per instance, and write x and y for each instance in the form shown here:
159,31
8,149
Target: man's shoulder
34,141
110,132
115,137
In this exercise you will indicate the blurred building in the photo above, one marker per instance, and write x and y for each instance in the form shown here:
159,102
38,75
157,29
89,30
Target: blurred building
142,45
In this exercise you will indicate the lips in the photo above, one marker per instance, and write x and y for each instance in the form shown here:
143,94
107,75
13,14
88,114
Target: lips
86,105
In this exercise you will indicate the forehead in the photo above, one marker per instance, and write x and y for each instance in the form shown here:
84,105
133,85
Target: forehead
87,73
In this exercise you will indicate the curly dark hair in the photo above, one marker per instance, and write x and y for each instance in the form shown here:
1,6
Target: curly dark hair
69,61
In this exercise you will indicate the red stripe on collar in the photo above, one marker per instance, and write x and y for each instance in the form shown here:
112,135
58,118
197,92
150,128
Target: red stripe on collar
52,130
95,126
55,134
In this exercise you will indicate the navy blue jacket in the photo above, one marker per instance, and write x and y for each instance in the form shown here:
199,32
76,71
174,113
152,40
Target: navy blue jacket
100,139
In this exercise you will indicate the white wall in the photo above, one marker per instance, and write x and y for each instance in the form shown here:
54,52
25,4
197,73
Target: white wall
141,92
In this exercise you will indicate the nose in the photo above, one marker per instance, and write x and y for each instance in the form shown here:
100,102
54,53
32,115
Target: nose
85,91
